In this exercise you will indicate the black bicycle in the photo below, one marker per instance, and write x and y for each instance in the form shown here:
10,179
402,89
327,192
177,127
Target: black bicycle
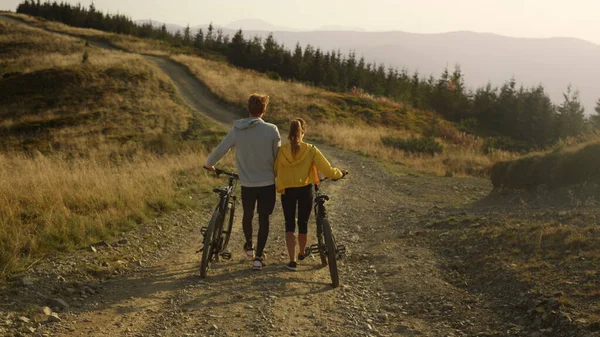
216,236
327,247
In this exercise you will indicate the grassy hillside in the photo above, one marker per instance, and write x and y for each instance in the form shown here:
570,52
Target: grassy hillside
354,121
89,149
558,168
127,42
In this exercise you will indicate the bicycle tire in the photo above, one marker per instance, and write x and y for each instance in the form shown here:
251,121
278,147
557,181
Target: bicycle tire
331,253
230,225
207,249
320,241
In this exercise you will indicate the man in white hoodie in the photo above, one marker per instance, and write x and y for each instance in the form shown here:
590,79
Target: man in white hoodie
256,143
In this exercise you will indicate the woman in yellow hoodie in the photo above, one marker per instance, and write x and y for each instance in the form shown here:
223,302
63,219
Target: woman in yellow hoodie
296,171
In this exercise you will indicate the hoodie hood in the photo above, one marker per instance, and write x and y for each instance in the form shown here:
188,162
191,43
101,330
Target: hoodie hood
287,159
247,123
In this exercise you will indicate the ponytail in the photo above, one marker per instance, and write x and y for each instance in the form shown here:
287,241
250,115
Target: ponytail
297,128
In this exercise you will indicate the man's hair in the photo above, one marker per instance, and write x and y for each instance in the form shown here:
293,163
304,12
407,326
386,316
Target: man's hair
257,104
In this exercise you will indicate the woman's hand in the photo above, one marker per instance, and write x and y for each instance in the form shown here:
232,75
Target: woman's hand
210,168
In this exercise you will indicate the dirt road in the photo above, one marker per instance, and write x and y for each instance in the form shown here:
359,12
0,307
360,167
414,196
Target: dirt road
394,282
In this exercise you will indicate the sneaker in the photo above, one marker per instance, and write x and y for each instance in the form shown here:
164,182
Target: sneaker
258,264
307,252
249,251
291,266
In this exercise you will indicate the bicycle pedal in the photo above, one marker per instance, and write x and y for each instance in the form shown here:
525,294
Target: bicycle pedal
226,255
314,249
341,251
203,230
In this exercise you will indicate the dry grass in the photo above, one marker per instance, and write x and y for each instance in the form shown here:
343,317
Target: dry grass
233,85
351,121
455,159
126,42
50,202
88,150
59,103
557,168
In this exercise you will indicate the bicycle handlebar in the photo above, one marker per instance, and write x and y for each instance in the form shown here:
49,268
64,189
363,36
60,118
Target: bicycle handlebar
229,174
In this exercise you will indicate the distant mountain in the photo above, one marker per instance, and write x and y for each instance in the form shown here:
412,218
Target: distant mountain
255,24
170,27
483,57
337,28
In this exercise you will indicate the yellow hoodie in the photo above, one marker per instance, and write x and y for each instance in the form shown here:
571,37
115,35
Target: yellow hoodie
301,170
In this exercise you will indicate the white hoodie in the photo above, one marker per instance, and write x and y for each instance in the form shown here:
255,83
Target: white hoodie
257,143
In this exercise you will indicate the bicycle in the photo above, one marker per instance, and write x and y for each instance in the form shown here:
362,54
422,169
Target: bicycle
327,247
216,238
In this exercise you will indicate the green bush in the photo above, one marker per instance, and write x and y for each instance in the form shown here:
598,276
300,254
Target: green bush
414,145
273,76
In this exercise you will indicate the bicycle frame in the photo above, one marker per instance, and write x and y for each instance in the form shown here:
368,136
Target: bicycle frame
216,238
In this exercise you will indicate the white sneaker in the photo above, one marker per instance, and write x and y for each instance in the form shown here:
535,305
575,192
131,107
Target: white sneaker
249,252
258,264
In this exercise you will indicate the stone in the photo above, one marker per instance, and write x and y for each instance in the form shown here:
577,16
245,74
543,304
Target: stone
24,319
47,311
93,249
59,303
53,318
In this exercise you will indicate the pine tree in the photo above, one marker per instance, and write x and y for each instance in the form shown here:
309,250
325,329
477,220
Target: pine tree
297,62
209,39
595,119
187,36
571,118
199,39
237,50
163,32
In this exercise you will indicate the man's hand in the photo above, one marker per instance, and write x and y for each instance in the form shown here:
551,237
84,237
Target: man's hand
210,168
344,172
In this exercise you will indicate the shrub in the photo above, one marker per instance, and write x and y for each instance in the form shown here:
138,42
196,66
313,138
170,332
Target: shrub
414,145
273,76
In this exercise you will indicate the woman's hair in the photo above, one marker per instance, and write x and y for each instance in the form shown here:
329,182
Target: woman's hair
257,104
297,127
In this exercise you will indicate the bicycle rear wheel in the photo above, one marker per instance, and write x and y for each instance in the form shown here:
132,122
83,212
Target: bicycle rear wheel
331,254
209,240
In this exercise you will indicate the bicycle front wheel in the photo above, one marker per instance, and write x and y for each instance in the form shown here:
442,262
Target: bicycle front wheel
229,223
331,253
209,239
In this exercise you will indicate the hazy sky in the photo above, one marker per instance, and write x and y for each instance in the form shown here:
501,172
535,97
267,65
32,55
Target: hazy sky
520,18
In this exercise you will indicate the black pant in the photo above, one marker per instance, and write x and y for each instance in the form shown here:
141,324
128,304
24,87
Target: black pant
302,197
265,197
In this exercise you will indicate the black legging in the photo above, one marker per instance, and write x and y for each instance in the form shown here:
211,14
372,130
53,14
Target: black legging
301,197
264,198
